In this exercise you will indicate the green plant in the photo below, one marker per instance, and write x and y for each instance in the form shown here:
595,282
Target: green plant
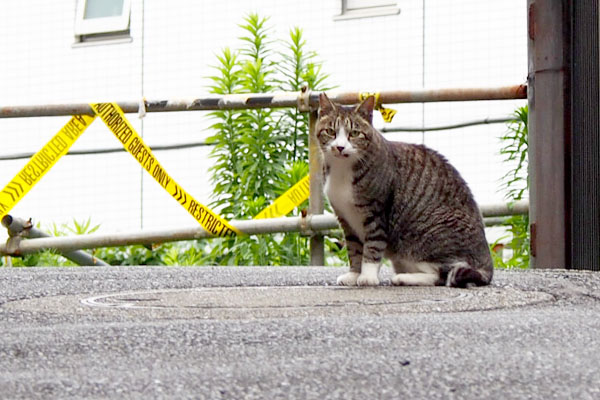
183,254
132,255
83,228
514,150
260,153
43,258
515,184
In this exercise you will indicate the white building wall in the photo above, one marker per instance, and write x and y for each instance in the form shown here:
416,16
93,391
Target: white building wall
431,43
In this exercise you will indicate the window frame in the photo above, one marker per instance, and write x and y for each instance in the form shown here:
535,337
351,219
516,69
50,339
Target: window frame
105,25
371,8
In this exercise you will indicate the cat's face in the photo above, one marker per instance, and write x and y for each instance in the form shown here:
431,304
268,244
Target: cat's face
344,132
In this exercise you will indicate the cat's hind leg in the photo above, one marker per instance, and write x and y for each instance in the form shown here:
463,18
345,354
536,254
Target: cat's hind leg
411,273
415,279
462,275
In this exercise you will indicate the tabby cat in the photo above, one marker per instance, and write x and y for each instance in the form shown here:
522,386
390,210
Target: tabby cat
398,200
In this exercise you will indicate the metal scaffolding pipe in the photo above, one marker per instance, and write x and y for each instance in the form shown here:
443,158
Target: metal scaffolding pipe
250,227
306,225
302,100
437,95
19,229
501,210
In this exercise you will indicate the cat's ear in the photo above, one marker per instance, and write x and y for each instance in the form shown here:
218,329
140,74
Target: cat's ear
365,109
325,105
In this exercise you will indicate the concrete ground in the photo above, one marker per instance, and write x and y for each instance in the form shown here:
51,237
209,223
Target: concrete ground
290,333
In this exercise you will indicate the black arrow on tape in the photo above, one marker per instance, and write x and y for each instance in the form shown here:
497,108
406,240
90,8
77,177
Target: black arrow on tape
180,194
14,189
18,184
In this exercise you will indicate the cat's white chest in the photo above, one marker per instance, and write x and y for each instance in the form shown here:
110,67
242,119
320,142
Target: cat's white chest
339,190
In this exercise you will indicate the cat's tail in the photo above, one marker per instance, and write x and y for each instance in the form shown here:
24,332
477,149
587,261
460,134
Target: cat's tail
463,275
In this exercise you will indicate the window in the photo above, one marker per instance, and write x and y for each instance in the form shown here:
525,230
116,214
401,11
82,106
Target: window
367,8
102,19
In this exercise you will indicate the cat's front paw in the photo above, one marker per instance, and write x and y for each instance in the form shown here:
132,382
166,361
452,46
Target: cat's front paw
348,279
367,280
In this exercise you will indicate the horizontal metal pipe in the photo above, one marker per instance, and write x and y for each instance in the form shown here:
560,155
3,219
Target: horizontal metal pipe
271,100
435,95
495,221
251,227
499,210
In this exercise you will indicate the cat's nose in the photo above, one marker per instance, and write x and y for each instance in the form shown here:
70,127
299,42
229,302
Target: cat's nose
340,148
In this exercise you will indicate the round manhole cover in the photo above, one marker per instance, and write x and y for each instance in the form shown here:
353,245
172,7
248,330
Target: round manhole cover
279,302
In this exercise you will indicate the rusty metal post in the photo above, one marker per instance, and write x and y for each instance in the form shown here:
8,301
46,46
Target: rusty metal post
315,201
548,132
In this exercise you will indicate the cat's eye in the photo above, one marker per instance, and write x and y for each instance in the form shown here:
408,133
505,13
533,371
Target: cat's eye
327,132
355,134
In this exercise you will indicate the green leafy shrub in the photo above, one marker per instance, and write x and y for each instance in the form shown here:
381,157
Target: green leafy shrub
515,185
261,153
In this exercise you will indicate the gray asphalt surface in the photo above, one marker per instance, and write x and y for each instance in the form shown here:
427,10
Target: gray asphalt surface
154,332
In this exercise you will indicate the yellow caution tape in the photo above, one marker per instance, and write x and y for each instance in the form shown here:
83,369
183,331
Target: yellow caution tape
362,96
41,162
386,113
113,117
285,203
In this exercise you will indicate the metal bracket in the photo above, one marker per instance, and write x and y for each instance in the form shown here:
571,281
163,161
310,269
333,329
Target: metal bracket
306,224
17,230
304,99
